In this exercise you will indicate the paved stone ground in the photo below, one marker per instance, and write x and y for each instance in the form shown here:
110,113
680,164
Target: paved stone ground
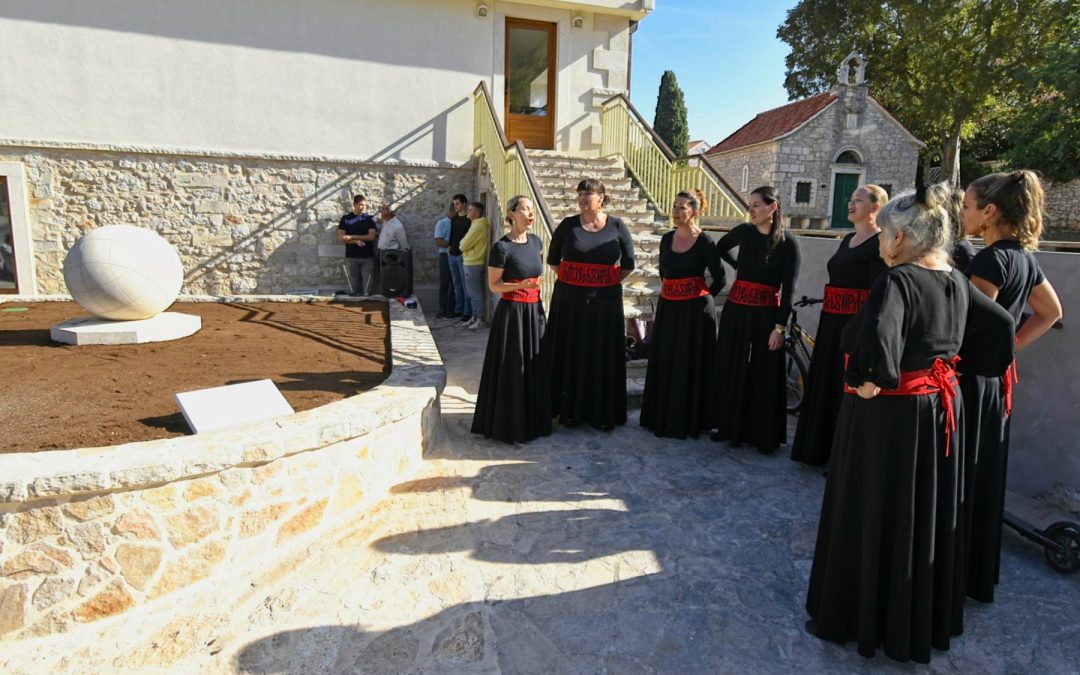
592,553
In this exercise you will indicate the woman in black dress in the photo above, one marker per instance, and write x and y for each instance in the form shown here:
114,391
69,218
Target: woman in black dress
513,402
748,372
586,334
1005,209
962,251
885,568
852,271
678,384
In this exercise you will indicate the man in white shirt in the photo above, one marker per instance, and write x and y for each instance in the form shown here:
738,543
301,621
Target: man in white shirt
391,231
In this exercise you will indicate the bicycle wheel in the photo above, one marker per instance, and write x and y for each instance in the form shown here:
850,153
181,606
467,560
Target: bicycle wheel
795,369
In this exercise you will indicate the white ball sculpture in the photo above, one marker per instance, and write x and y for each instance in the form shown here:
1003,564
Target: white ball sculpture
123,273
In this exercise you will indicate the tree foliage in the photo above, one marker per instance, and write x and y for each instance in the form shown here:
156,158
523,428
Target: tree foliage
1046,132
942,67
670,120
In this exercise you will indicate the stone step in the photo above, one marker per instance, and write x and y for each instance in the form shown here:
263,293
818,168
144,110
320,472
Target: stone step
559,198
646,242
570,185
562,159
574,175
635,217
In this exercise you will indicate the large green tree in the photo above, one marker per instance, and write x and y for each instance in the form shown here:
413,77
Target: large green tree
670,120
1046,131
943,67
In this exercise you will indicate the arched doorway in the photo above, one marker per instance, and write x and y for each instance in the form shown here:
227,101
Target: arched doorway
847,174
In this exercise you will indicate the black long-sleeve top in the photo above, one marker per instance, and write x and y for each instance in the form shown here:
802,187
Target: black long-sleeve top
779,268
915,315
693,262
612,245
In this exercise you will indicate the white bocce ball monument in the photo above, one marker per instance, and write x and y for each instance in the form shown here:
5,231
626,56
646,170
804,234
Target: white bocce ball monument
125,276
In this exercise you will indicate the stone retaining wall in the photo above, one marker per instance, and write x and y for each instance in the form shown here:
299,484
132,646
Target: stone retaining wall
1063,205
95,532
242,224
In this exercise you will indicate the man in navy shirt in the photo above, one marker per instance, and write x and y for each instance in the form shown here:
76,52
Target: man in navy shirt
357,231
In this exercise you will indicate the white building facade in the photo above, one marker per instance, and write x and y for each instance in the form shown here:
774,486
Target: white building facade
239,129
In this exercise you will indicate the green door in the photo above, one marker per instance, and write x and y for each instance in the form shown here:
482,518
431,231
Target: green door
844,185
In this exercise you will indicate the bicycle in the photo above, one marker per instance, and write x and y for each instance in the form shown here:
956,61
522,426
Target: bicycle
798,346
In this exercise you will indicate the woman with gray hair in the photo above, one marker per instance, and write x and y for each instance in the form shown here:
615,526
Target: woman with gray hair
888,565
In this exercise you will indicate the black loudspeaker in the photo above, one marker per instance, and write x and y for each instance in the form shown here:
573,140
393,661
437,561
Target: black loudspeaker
395,273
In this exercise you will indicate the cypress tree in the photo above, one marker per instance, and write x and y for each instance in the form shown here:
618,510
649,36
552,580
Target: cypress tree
670,121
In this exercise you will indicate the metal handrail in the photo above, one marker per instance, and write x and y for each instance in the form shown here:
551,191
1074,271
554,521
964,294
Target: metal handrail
510,171
657,170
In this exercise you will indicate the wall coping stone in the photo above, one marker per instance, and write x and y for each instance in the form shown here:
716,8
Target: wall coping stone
223,154
417,376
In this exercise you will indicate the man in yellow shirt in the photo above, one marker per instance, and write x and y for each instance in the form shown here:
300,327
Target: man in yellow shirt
474,248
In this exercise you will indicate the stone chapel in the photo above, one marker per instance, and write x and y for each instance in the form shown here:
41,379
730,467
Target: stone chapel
818,150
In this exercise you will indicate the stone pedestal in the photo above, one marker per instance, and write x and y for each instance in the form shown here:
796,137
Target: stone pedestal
94,331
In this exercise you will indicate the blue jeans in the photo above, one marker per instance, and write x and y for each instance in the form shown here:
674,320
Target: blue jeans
446,290
457,272
474,285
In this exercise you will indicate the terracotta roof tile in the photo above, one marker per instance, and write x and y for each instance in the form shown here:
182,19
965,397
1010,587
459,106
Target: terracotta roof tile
772,123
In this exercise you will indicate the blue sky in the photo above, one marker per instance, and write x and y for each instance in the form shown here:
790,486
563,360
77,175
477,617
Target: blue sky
725,55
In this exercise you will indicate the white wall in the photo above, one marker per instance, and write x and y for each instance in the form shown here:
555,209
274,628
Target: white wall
317,77
370,80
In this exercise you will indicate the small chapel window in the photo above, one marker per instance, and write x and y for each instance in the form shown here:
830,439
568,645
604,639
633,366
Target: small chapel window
849,157
802,192
745,177
887,187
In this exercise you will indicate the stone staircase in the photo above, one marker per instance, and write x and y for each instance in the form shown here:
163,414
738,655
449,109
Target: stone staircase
558,174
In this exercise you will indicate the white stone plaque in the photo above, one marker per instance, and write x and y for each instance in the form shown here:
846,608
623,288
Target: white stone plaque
232,405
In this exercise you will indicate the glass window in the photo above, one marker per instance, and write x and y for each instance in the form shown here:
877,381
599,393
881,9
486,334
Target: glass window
802,192
7,245
887,187
527,71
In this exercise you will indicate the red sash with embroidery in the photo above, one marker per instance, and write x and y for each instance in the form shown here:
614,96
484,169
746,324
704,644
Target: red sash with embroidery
589,274
940,378
844,300
754,295
1008,381
687,288
521,294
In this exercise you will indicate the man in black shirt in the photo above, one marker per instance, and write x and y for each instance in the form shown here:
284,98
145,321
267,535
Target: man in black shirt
459,226
357,231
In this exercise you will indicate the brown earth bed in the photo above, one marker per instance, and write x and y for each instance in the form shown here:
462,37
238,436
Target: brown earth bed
56,396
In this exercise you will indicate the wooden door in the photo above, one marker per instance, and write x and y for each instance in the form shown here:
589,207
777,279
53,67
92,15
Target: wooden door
844,185
8,283
530,83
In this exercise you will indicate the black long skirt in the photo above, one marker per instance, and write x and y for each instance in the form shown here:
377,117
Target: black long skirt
824,390
885,569
585,343
986,460
678,386
513,402
749,401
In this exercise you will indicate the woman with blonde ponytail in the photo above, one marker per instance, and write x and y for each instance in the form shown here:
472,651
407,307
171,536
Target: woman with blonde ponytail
1005,209
852,271
677,384
888,560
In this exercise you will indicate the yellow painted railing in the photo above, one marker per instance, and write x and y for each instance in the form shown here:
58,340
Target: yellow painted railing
510,172
658,171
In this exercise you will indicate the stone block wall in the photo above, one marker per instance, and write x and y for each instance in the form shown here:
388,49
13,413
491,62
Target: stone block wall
93,533
1063,205
761,160
241,224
